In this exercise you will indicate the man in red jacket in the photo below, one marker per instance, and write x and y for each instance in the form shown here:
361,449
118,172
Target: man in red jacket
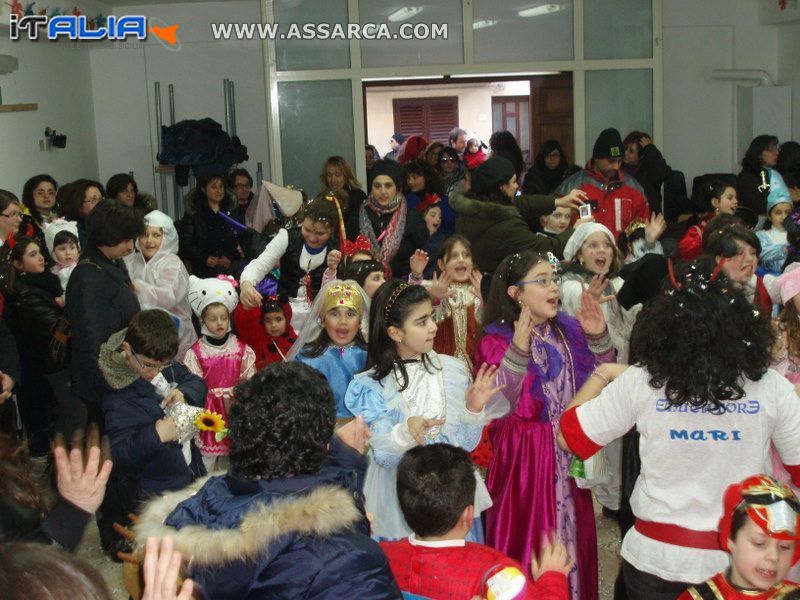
435,488
616,198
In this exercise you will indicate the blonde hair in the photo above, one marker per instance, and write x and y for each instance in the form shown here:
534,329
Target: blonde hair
340,163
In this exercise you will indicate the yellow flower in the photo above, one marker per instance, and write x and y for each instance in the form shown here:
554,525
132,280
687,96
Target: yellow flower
209,421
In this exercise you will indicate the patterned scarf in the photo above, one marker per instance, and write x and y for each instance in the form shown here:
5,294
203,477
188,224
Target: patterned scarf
387,244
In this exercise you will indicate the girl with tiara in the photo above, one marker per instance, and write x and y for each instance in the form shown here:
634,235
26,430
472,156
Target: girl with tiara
413,396
332,340
529,475
220,358
301,253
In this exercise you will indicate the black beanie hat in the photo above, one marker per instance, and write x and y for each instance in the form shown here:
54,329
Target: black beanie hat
490,175
608,145
386,167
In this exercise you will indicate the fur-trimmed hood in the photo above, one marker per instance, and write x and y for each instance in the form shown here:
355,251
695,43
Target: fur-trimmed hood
113,364
323,511
192,200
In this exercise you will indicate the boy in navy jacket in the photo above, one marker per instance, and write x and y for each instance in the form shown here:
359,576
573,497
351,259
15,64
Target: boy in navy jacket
137,364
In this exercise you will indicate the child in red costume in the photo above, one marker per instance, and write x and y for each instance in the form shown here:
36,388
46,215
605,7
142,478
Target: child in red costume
435,487
266,329
759,528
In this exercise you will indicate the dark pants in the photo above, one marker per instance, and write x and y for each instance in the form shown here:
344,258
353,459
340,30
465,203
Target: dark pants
645,586
34,399
71,411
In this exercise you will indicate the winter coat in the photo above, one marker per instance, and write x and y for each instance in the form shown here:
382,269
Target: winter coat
651,172
145,465
296,537
617,204
415,236
99,302
31,313
143,202
202,233
497,230
541,180
751,190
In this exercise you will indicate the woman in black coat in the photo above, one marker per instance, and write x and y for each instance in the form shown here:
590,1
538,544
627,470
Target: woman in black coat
207,242
753,181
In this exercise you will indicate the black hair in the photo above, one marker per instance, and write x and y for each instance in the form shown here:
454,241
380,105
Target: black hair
7,199
390,307
359,270
65,237
71,200
322,210
434,485
792,179
27,194
270,305
788,159
8,272
712,189
722,241
110,224
153,334
752,156
240,172
503,143
281,422
739,519
119,183
433,182
634,138
30,571
448,151
499,306
546,149
718,223
729,341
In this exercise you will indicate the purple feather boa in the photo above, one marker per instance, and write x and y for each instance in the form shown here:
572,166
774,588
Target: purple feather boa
583,359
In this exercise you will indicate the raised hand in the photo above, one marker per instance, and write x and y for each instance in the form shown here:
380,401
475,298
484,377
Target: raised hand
333,259
590,316
483,388
6,387
84,485
553,557
655,228
419,426
248,295
573,199
475,278
418,261
161,567
596,288
440,288
523,329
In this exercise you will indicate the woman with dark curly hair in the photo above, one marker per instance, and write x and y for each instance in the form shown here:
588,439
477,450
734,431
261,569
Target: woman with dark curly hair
550,167
423,189
39,207
287,521
707,408
503,143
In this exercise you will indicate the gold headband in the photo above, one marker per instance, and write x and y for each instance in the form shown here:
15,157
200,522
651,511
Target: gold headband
392,299
635,225
342,294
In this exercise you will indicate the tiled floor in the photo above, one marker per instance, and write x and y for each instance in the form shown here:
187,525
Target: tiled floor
607,536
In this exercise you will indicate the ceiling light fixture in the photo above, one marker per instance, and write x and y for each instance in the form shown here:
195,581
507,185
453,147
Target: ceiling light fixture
484,23
542,9
404,14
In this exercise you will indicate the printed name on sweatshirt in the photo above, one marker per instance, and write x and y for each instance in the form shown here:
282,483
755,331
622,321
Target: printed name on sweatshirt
751,407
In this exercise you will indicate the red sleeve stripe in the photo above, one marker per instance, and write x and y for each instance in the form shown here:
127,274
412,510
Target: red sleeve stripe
794,471
576,438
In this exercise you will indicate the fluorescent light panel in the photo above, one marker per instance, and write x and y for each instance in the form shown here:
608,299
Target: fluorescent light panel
404,14
542,9
484,23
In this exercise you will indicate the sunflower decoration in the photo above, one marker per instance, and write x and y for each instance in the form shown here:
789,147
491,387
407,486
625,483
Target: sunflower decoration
211,421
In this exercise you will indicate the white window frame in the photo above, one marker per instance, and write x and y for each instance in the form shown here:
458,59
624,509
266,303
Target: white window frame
356,74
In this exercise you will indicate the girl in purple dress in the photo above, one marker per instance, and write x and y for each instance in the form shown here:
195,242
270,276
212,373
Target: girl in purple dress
532,491
220,358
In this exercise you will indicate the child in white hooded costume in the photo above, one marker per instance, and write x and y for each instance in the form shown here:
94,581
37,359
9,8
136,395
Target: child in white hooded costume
159,278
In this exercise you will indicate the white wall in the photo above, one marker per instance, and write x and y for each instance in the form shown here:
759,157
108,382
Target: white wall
58,78
699,113
474,106
127,136
789,70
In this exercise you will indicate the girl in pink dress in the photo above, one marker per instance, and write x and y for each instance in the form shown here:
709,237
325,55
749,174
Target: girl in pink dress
532,491
219,357
787,355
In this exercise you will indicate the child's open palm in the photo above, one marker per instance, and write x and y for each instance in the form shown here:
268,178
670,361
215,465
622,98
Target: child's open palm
483,388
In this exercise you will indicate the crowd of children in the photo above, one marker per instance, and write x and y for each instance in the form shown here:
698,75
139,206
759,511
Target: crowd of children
377,416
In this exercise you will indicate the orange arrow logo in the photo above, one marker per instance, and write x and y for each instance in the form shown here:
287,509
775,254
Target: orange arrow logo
168,34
